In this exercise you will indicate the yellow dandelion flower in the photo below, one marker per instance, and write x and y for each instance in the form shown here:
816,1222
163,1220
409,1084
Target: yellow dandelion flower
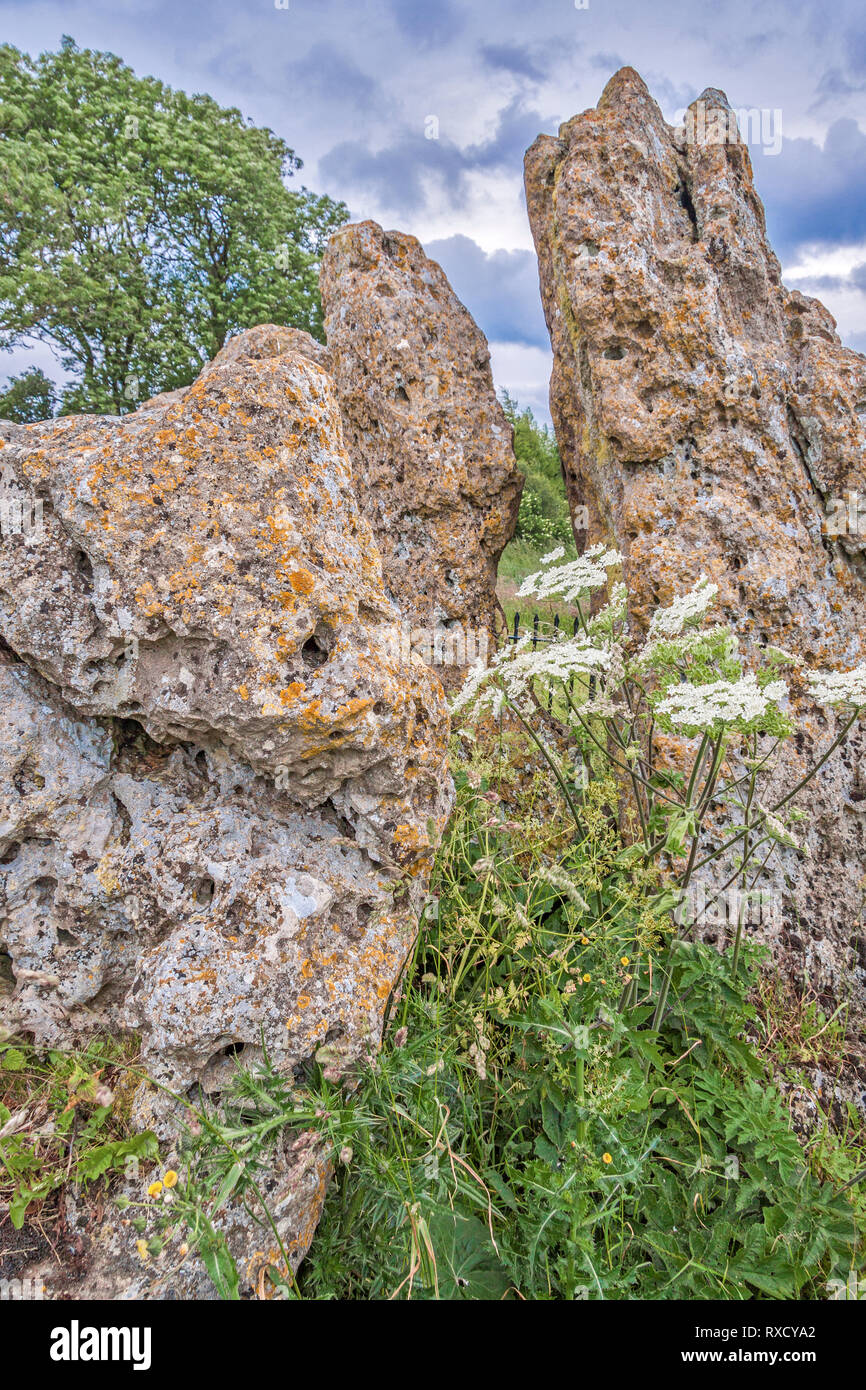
606,1158
169,1178
141,1247
586,979
154,1189
584,941
623,960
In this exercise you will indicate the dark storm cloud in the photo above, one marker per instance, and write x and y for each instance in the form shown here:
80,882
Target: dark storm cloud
509,57
324,70
399,173
815,194
858,277
429,23
516,129
850,76
500,289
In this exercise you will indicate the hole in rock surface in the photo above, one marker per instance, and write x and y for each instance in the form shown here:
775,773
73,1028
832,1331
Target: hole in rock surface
204,891
315,650
685,201
83,566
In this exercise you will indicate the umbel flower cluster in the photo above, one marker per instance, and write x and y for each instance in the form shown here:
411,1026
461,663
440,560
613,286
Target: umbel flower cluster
611,695
690,678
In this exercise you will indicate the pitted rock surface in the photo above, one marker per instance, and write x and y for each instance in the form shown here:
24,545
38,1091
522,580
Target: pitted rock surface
707,417
430,445
220,775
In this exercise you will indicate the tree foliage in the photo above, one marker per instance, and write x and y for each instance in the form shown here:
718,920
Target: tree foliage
140,226
544,517
28,397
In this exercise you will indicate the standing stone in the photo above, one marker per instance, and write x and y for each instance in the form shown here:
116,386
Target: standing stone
221,777
709,420
430,445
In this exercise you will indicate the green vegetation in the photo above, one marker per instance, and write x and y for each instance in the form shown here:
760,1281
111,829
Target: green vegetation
577,1096
543,522
140,226
544,519
524,1136
62,1119
28,397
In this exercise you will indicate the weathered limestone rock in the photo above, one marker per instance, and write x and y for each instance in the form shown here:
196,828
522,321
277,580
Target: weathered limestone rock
429,443
706,418
219,772
271,340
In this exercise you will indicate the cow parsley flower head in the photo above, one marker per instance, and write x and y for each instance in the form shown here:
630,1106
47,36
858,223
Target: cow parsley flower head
685,611
514,669
719,703
570,581
552,555
663,651
839,687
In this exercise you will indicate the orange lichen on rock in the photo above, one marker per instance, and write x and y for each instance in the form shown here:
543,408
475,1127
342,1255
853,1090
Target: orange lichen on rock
706,419
221,731
430,445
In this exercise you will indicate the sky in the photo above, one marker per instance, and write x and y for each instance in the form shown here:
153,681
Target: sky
417,113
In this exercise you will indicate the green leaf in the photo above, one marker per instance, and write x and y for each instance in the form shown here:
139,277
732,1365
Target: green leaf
467,1265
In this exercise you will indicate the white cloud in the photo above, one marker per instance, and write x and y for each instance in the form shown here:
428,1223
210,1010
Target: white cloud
525,373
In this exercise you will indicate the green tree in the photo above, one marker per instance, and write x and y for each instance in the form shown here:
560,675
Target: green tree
28,397
544,517
140,227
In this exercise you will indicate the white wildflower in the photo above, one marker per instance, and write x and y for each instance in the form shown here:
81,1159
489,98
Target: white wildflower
720,702
671,649
516,666
687,610
556,554
568,582
474,679
839,687
613,612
